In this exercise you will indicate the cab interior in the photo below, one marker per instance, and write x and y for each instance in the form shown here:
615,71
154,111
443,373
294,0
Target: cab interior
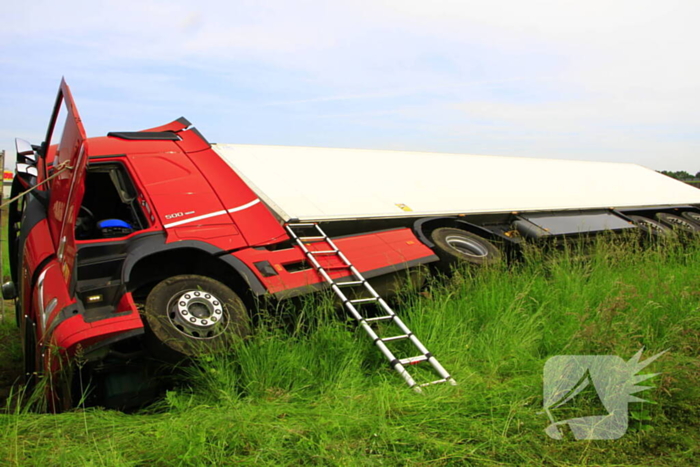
110,207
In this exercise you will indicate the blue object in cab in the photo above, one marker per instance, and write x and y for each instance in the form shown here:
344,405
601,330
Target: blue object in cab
112,223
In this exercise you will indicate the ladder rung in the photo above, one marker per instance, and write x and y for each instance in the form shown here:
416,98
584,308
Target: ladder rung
312,239
413,360
437,381
362,300
308,233
349,283
380,318
395,338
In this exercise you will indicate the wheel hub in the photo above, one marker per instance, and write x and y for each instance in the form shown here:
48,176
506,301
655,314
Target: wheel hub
197,314
466,246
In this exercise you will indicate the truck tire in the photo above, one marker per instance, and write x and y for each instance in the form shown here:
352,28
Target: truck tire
454,246
678,222
196,315
692,216
650,226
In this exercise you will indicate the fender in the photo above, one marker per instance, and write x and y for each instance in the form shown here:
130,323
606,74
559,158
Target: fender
155,243
435,222
34,212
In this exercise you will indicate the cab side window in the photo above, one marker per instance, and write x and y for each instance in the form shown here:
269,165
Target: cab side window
109,207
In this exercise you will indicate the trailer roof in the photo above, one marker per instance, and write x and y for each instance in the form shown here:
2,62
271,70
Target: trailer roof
317,184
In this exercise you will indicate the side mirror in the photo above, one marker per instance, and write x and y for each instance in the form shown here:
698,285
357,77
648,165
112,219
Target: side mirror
9,292
23,168
25,152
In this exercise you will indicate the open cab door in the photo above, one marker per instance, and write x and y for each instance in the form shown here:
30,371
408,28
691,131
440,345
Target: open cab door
68,167
42,230
54,175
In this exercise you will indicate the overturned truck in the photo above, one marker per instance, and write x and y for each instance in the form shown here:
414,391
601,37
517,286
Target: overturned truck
150,244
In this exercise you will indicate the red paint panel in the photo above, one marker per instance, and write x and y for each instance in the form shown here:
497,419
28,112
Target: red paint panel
50,154
257,224
50,287
222,236
109,145
75,330
366,252
177,190
172,126
191,142
68,187
37,246
126,303
387,248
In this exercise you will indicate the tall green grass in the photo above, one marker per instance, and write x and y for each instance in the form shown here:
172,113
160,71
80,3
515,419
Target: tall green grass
4,252
320,393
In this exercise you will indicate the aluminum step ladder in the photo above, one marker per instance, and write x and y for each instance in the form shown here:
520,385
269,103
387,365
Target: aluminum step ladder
307,234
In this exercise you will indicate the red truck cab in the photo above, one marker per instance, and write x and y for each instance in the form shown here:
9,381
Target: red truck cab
138,246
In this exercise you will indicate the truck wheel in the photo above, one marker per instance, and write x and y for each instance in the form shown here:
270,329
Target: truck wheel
459,246
692,216
196,315
650,226
677,222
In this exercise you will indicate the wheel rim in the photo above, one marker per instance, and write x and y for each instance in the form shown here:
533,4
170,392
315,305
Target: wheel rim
467,246
692,216
651,226
680,223
197,314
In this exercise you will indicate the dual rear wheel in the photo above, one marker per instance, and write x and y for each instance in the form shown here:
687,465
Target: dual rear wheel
684,223
454,246
664,224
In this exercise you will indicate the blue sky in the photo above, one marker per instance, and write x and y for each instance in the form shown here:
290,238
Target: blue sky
593,80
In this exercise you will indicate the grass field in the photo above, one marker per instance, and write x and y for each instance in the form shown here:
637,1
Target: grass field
320,393
5,265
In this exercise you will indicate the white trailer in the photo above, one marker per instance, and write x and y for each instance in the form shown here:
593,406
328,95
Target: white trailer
319,184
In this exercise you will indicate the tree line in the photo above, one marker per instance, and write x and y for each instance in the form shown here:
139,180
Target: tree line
681,175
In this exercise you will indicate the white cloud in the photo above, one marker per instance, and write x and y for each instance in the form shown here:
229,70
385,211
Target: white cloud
440,75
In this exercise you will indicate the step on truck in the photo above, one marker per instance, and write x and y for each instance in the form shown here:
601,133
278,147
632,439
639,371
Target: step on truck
143,245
